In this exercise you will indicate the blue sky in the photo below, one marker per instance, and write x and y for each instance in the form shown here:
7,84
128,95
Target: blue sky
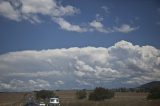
143,15
34,28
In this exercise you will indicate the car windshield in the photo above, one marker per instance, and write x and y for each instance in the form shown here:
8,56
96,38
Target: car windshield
54,100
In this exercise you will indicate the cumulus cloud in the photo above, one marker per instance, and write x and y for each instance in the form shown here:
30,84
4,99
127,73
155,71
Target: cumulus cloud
47,7
123,63
68,26
21,85
125,28
98,26
29,9
8,11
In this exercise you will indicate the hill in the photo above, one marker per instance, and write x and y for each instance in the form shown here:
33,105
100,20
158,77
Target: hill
150,85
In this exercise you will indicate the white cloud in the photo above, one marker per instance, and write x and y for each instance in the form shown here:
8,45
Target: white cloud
140,80
83,83
30,9
20,85
37,6
99,18
125,28
68,26
7,11
106,9
98,26
59,82
47,7
37,74
123,63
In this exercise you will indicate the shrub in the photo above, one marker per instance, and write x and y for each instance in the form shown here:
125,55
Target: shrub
44,94
81,94
154,93
100,93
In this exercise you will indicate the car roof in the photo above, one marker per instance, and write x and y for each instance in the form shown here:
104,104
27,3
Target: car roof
54,98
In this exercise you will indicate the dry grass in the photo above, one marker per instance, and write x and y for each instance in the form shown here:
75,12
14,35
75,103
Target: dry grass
12,98
68,98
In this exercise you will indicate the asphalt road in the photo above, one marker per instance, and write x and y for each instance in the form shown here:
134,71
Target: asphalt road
31,101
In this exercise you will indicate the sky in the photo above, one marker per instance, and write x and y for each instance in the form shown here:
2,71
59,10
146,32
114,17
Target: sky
76,44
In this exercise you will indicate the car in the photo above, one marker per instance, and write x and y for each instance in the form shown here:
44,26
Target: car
54,102
42,104
31,104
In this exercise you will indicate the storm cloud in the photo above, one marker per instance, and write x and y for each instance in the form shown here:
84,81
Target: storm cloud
122,64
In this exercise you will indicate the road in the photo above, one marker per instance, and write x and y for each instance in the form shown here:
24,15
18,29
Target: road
30,100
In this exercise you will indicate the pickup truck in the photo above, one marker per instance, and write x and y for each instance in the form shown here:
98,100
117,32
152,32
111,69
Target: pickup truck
54,102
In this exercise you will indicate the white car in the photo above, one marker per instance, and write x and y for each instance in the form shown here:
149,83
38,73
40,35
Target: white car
54,102
42,104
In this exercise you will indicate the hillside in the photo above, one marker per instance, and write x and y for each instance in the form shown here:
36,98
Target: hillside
150,85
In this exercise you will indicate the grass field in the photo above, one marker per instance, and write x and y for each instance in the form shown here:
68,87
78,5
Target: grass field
68,98
12,98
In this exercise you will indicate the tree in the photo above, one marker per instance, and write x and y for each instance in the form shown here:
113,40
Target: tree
81,94
154,93
44,94
100,93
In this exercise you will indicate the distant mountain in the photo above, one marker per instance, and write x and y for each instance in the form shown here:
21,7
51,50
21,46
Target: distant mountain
150,85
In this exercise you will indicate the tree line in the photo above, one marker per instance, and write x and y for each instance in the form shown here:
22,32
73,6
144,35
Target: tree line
100,93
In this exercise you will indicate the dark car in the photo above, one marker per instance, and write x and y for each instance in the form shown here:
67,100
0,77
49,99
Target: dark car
31,104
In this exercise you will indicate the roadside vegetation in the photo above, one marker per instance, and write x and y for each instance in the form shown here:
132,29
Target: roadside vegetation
97,97
100,94
81,94
44,94
154,93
